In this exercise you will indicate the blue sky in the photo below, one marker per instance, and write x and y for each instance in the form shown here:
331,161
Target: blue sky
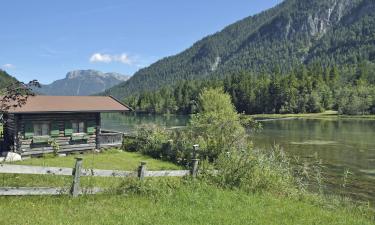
44,39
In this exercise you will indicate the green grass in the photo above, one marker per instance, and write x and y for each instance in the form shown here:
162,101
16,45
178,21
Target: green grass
328,115
111,160
190,204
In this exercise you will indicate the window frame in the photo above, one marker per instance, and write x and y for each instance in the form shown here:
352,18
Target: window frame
83,128
41,123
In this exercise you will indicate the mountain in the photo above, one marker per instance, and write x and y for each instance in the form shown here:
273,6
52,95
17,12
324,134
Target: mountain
5,79
295,32
82,82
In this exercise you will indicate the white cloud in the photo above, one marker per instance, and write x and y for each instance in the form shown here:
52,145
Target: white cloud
98,57
107,58
123,58
8,66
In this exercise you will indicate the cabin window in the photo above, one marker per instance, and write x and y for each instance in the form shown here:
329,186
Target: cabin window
41,129
78,127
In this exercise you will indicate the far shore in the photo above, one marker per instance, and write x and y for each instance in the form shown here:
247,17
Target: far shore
328,115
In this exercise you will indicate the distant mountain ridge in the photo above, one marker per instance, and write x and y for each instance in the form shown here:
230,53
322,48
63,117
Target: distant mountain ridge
295,32
82,82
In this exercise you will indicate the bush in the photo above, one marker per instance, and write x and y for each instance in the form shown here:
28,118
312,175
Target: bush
224,145
254,171
160,143
217,128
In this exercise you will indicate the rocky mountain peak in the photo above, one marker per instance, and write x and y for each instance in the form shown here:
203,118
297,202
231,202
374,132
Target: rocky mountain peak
83,82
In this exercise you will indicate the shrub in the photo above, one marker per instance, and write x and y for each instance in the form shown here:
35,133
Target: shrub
217,128
149,140
254,171
224,145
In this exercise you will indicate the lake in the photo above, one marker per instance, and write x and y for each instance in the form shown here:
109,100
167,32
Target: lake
341,145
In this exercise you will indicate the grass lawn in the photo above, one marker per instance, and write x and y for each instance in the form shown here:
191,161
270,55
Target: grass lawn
111,160
328,115
191,204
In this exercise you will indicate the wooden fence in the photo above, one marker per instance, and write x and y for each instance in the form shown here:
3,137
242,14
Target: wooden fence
77,172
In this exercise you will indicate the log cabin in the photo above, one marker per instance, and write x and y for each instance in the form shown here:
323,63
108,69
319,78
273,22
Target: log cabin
60,124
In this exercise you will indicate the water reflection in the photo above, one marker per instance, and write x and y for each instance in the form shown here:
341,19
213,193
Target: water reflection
129,121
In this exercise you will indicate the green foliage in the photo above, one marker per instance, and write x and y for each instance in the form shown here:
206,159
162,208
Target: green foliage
217,127
55,145
160,143
5,80
191,203
151,188
310,89
356,100
150,140
110,159
223,141
252,171
182,98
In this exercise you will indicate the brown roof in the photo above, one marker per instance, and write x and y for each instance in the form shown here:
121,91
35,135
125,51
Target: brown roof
65,104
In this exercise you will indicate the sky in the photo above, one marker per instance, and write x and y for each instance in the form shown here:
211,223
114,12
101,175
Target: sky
44,39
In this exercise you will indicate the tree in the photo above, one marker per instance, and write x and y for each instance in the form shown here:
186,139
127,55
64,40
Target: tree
217,126
302,90
334,75
16,94
275,93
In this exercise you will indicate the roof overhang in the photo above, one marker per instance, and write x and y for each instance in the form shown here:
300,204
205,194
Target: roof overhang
70,104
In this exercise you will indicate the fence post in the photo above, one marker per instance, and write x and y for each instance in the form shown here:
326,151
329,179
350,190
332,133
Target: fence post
194,167
142,170
76,177
195,150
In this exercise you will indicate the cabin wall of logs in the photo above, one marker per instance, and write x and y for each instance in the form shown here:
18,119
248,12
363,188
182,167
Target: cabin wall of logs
61,136
8,131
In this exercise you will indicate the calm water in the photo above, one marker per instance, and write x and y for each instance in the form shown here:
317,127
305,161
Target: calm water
129,122
340,144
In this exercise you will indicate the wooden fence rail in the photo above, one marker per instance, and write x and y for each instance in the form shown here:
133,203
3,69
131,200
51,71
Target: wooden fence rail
77,172
59,171
21,191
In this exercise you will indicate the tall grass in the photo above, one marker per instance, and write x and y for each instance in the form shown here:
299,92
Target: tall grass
177,202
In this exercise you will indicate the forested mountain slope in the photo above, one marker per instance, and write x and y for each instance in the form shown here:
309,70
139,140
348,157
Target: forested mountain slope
5,79
330,32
